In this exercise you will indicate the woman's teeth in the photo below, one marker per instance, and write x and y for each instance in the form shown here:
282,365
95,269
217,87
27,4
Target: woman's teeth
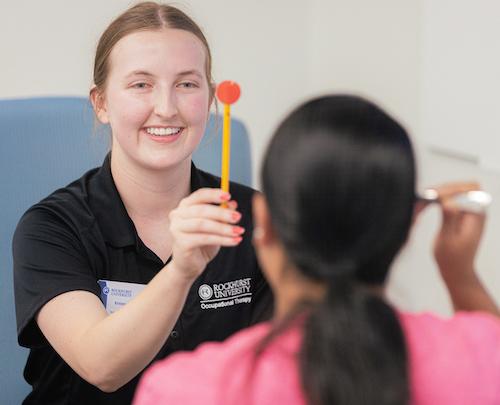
163,131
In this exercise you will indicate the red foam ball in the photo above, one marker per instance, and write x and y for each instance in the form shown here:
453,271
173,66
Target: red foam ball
228,92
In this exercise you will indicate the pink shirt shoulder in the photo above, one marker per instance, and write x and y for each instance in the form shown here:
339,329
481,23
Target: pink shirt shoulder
228,373
453,360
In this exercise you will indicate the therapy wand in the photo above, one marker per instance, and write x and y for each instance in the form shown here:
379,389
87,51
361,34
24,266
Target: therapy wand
228,92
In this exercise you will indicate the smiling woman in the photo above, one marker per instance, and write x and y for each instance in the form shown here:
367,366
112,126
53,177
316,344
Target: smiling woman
112,266
156,87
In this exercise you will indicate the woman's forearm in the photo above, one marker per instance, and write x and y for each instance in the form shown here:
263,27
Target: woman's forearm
109,350
468,293
130,338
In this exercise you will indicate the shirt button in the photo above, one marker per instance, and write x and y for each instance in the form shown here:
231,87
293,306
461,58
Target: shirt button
174,334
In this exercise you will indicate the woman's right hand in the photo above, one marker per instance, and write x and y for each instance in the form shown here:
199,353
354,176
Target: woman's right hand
457,241
455,249
199,227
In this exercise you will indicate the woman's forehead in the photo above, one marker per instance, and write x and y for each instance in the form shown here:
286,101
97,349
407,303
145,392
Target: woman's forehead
166,50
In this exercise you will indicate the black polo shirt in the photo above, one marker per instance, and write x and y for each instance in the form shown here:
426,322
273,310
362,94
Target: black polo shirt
81,234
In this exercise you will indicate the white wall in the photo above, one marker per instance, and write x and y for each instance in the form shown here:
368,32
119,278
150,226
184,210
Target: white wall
461,65
368,47
281,52
459,113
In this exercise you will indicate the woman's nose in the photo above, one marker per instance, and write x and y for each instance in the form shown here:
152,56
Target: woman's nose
165,104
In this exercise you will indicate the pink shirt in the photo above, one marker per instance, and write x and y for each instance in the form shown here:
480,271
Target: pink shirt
452,361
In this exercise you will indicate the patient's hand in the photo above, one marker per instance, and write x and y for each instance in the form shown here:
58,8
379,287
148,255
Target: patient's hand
455,249
457,241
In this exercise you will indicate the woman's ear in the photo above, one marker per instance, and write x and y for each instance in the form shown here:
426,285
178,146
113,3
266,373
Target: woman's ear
263,233
99,105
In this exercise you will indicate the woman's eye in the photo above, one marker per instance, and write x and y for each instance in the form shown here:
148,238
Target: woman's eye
140,85
188,85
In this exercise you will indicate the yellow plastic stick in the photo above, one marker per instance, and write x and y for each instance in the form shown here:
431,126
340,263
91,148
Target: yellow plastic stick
228,93
226,149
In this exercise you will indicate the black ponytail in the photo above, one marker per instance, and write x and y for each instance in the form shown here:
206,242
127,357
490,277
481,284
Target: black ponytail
354,350
339,180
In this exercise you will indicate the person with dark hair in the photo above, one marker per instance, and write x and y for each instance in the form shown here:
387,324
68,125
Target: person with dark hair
338,202
119,268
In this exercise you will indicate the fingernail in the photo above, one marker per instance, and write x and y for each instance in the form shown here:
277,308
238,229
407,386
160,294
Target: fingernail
225,197
237,239
238,230
236,216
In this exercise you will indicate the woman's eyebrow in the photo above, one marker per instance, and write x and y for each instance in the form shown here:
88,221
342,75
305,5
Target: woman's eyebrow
180,74
139,73
190,72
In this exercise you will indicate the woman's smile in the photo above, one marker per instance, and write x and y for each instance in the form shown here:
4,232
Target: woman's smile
163,134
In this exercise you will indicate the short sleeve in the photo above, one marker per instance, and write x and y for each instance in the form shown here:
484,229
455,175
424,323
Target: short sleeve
49,259
445,353
481,332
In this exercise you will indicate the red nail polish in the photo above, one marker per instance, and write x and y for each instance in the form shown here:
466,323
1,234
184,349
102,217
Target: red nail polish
238,230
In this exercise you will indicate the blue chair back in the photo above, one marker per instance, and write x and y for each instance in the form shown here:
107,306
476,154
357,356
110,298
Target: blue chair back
45,144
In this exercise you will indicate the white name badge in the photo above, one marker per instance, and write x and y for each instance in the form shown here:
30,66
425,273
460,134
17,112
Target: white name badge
116,294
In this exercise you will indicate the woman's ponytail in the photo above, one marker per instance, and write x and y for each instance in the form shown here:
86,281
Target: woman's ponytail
353,350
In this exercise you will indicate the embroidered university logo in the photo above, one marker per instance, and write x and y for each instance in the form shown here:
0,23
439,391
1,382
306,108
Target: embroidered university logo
205,292
225,294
